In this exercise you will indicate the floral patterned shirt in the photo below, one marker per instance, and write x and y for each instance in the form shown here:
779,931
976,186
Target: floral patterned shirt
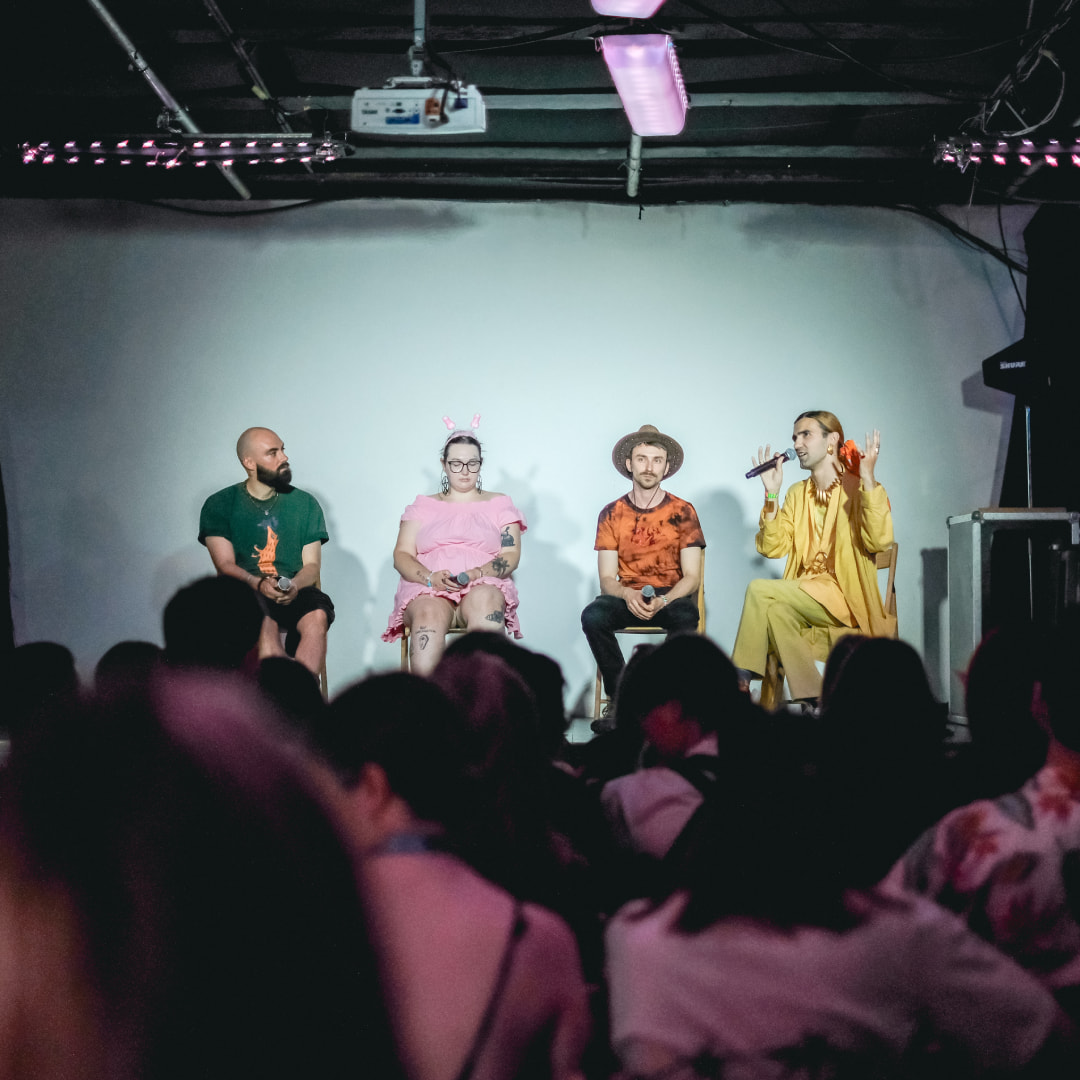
1010,867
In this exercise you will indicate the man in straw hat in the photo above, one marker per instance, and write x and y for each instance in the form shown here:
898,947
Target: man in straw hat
649,546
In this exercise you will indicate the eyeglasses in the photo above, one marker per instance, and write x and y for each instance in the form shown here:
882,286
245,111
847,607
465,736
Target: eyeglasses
456,466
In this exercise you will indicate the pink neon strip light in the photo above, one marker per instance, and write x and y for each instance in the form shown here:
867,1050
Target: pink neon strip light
627,9
646,74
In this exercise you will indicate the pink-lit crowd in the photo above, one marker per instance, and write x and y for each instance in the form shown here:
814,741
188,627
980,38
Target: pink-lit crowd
207,870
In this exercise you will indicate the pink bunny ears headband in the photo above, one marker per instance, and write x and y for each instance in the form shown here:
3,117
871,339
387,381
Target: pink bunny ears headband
456,432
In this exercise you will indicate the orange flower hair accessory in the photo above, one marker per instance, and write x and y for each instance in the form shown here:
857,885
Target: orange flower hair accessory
850,456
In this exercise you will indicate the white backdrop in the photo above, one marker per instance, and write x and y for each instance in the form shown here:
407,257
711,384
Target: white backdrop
138,342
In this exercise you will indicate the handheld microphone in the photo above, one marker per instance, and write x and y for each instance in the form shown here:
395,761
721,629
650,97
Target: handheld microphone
284,583
462,578
776,459
648,592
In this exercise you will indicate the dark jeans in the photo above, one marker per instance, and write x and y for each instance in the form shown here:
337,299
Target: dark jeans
606,614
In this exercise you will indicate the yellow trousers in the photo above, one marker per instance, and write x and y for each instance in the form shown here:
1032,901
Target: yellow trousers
774,614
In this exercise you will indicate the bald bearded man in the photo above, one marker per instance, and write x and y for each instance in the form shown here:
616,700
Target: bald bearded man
269,534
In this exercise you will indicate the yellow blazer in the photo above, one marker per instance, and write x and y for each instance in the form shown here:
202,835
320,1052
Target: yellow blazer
863,528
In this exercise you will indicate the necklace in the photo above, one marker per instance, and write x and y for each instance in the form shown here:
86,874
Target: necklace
265,505
822,495
644,509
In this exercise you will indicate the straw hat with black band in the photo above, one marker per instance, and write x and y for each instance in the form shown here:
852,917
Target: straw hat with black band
647,434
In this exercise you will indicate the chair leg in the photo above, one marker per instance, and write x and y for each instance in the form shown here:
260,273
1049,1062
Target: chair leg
404,652
598,696
772,683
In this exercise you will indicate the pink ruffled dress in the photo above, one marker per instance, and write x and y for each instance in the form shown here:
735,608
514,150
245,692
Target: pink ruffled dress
457,536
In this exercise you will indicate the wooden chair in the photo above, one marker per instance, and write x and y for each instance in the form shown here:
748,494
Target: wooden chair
823,638
599,700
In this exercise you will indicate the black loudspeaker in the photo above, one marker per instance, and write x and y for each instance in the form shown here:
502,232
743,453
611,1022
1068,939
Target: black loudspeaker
1042,370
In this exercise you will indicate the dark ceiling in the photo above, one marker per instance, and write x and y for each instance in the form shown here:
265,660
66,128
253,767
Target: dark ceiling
792,100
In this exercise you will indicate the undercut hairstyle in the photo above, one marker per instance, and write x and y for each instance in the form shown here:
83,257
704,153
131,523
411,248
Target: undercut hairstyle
827,420
460,440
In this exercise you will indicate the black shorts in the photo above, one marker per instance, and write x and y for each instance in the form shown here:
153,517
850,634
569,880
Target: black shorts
288,615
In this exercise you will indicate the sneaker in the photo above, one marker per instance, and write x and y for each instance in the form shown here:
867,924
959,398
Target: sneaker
606,721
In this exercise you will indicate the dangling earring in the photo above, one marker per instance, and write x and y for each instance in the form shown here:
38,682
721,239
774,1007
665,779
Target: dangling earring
479,484
444,483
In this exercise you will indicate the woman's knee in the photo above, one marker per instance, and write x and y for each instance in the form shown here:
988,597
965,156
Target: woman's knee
430,611
484,608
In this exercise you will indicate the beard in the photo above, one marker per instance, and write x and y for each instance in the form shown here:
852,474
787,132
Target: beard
279,479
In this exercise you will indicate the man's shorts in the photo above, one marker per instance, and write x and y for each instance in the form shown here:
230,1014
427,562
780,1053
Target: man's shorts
288,615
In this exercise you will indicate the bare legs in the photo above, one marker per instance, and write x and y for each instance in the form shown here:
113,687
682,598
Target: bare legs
483,608
311,651
429,617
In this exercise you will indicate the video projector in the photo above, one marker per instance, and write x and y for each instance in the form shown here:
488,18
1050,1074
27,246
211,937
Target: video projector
419,106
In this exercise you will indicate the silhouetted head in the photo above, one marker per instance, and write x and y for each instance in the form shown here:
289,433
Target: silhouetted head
409,728
127,665
212,623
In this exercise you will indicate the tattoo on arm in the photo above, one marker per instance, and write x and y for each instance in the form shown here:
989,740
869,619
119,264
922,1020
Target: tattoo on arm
506,540
500,566
495,617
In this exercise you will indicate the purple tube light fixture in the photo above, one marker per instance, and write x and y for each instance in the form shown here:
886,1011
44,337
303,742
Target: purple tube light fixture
646,74
627,9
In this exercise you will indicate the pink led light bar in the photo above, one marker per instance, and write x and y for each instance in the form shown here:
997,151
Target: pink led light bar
646,74
627,9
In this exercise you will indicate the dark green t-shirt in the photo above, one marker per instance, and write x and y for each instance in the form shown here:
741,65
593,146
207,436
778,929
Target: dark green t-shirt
267,537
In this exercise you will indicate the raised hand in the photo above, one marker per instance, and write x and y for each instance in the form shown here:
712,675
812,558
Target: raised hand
869,459
774,477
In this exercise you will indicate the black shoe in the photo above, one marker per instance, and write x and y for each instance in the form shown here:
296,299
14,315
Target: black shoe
605,722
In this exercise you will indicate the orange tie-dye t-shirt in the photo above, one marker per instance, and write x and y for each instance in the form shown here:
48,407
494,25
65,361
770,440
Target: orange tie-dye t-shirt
649,541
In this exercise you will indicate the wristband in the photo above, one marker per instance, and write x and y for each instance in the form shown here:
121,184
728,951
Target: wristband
772,498
664,598
429,585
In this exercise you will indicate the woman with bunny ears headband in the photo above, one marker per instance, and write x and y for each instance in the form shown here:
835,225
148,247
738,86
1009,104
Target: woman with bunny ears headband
455,552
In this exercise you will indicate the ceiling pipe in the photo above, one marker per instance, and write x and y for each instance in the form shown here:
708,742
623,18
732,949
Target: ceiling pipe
419,35
633,166
140,65
258,84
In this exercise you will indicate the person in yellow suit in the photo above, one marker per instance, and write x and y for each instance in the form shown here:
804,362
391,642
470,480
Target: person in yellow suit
829,529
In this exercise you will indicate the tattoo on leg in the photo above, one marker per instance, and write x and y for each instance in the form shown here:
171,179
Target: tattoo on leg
495,617
506,540
423,639
500,566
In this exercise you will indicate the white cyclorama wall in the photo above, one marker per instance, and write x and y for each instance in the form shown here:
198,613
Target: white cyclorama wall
138,342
